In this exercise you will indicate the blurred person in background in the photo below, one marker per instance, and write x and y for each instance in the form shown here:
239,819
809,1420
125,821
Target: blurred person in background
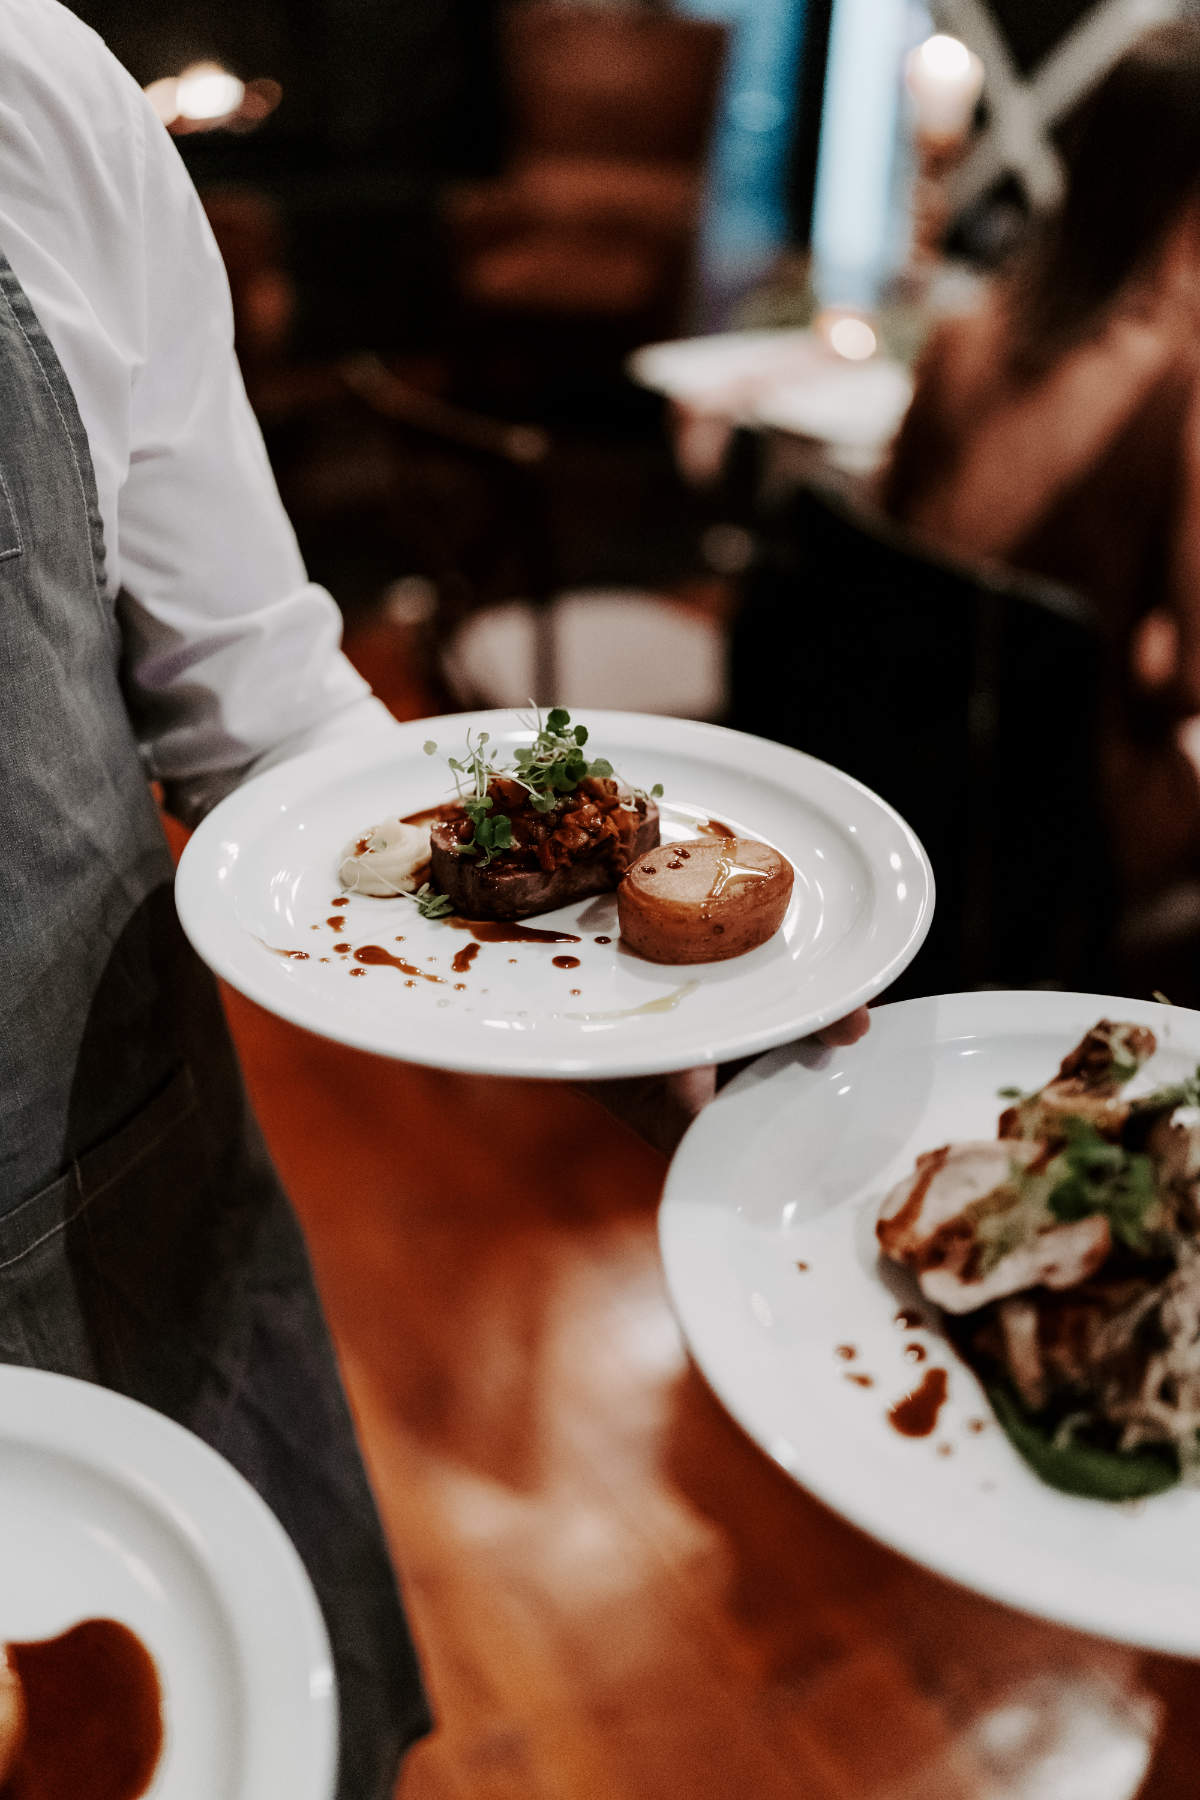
157,621
1056,430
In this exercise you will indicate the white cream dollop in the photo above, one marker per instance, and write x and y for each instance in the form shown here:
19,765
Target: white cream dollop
391,858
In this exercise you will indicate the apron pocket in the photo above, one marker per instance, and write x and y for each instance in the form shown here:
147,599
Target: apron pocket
52,1305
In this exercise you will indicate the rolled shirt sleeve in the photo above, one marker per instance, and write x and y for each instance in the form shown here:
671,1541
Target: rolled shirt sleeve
232,656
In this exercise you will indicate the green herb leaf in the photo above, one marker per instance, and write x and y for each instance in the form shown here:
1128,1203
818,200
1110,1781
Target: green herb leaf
1081,1468
1094,1176
550,768
1166,1099
656,792
429,747
1010,1093
431,905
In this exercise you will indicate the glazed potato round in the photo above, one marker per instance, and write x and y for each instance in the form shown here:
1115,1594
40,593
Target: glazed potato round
703,901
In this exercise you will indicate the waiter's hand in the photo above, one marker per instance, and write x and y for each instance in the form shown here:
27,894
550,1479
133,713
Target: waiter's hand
661,1107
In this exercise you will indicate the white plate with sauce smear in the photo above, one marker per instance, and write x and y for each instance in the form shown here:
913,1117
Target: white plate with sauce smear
258,883
110,1512
768,1238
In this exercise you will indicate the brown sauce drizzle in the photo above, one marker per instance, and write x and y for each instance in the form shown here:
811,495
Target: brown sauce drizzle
847,1352
602,940
565,962
463,958
93,1716
503,931
976,1426
292,955
374,955
917,1414
914,1353
337,921
802,1266
714,828
429,816
341,949
908,1320
863,1381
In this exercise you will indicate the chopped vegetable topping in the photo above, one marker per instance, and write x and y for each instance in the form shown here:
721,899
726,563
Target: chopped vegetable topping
551,779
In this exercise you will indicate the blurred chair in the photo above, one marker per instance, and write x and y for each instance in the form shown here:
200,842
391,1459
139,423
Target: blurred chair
595,648
964,697
594,221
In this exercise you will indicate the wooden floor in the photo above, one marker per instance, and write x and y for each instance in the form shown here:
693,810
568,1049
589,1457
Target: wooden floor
616,1596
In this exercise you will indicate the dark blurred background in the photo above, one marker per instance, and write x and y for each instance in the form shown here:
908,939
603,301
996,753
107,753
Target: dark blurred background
453,227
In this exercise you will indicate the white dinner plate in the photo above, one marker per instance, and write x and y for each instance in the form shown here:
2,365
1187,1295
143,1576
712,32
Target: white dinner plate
256,883
787,1168
726,372
108,1510
855,405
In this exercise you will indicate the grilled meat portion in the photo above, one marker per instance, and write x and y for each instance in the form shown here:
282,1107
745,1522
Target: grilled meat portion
581,846
1088,1085
972,1230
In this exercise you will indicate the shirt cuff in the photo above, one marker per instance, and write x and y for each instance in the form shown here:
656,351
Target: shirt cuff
368,719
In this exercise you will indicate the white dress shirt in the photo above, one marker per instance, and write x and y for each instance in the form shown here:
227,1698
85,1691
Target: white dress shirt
232,654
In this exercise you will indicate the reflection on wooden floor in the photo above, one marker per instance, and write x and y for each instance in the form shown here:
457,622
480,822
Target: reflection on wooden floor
617,1597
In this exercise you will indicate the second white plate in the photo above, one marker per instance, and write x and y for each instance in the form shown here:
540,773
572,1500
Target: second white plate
767,1231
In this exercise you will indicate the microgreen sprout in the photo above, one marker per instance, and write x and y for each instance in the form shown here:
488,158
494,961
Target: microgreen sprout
555,764
549,769
431,905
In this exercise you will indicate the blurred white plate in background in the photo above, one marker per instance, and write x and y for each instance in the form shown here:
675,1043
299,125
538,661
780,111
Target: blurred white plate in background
727,371
788,1167
256,882
853,405
108,1510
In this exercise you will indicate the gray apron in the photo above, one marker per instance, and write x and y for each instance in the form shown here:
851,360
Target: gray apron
145,1242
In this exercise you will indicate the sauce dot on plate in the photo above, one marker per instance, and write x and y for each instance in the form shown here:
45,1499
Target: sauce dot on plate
916,1415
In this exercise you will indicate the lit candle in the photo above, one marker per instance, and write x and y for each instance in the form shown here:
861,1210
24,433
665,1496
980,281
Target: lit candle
945,80
846,334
